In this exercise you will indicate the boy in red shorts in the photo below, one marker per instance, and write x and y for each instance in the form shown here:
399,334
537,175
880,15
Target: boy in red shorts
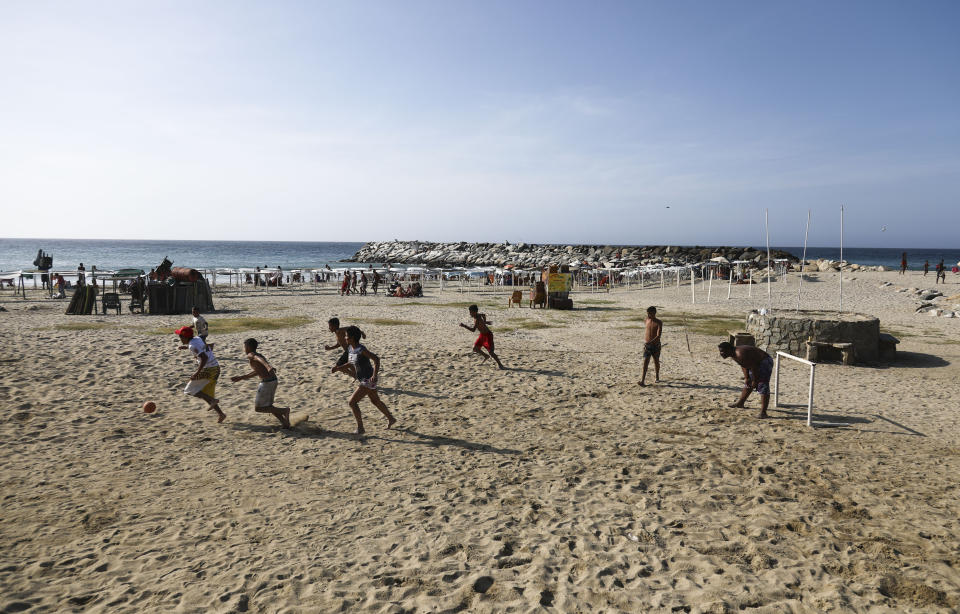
485,340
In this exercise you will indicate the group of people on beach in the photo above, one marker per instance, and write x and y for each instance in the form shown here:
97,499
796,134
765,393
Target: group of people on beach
353,279
355,360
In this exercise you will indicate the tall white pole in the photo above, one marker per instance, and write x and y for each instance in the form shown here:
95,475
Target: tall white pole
710,285
803,262
841,258
693,283
729,281
766,219
750,282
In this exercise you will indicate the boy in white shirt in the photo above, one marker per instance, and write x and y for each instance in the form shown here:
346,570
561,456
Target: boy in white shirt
203,383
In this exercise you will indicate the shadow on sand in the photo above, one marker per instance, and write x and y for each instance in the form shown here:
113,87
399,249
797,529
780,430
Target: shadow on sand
411,393
678,384
305,430
536,371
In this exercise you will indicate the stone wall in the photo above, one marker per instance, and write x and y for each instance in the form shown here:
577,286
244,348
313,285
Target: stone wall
535,256
788,331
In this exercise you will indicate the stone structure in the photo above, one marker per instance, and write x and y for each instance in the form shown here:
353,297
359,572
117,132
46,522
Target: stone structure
537,256
788,331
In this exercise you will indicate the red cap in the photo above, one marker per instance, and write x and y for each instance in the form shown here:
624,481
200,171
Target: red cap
185,331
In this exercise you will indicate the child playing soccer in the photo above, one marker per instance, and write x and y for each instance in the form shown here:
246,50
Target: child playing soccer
268,383
359,366
485,340
203,383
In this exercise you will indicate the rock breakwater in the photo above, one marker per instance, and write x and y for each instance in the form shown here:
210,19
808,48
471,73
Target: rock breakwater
538,255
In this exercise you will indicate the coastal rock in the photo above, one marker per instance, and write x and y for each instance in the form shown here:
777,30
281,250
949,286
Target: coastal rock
529,255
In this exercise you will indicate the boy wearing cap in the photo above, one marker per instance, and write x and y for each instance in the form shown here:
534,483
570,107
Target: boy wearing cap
203,383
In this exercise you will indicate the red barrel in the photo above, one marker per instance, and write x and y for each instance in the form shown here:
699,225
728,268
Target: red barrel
184,274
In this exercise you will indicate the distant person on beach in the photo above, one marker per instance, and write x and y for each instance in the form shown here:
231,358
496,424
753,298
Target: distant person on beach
757,368
363,284
81,275
653,328
376,281
345,286
941,272
485,340
926,267
268,383
200,325
353,282
203,383
359,366
903,263
341,339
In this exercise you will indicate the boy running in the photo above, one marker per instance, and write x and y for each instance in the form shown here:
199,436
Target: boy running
341,341
651,344
203,383
485,340
268,383
359,366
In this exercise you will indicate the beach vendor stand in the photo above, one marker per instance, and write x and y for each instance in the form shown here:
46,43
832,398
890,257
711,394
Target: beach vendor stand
559,282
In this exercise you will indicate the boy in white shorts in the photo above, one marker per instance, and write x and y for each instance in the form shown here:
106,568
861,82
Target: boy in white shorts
203,383
268,383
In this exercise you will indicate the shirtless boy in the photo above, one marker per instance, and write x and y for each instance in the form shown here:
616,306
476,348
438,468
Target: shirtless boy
651,344
757,368
341,342
203,383
268,383
485,340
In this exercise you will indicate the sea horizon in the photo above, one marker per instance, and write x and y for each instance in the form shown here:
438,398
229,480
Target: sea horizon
19,253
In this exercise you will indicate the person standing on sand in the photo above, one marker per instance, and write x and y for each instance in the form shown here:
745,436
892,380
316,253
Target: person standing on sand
268,383
926,267
345,286
903,263
359,366
203,383
941,272
485,340
757,368
200,325
651,344
353,282
363,284
376,281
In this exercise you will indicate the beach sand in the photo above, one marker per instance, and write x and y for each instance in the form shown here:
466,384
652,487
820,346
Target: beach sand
555,485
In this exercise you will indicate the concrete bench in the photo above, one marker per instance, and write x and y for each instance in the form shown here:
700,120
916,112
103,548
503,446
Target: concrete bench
739,337
815,349
888,347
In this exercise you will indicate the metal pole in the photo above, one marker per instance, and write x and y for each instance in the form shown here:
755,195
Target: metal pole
750,287
776,381
841,258
766,218
813,369
729,282
693,284
803,262
710,285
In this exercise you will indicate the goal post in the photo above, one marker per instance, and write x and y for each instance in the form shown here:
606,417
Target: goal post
776,382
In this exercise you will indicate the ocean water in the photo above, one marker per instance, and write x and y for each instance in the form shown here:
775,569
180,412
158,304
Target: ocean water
18,254
875,256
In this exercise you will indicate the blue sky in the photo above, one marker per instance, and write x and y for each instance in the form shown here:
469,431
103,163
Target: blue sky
520,121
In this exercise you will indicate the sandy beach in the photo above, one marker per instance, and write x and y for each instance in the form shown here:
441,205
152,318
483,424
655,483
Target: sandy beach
555,485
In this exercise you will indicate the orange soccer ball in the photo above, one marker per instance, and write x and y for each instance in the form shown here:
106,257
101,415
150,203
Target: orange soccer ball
149,407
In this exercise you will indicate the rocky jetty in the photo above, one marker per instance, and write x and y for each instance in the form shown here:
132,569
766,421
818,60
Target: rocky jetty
531,255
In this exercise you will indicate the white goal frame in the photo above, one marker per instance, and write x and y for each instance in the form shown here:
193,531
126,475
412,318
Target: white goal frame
776,382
